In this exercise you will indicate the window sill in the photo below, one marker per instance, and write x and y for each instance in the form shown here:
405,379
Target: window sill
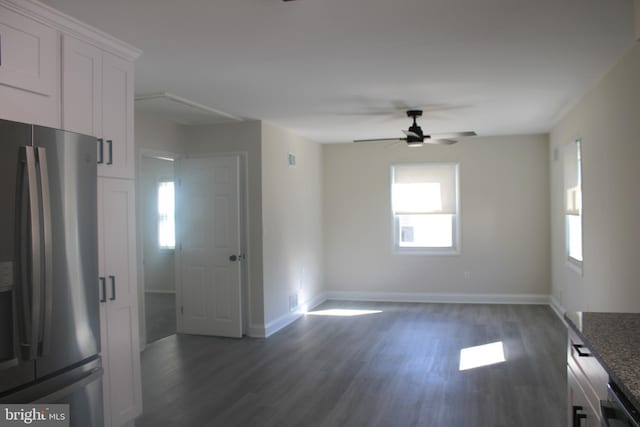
575,266
426,251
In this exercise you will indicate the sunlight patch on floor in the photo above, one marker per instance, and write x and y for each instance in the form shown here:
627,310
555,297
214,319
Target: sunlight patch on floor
343,312
481,355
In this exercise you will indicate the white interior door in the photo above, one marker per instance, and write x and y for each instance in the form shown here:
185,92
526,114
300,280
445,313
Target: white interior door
208,231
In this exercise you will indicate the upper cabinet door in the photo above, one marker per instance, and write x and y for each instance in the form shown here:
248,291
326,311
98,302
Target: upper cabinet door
81,87
117,118
29,70
28,52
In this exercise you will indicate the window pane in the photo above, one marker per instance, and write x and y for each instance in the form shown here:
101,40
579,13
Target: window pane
425,231
166,215
574,236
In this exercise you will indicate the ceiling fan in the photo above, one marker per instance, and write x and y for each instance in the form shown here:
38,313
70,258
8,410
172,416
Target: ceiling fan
416,138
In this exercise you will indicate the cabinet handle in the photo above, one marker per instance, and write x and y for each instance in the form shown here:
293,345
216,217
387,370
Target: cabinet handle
578,348
577,418
100,151
110,144
113,288
103,290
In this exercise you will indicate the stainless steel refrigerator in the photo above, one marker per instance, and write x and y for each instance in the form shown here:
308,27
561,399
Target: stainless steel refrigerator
49,303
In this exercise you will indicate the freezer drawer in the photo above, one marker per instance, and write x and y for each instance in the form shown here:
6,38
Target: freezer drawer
80,388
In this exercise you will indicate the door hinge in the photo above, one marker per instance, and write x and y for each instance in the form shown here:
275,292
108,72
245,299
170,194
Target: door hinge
182,309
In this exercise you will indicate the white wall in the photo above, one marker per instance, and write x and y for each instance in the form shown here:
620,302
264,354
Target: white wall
244,138
159,264
292,220
607,121
156,134
504,185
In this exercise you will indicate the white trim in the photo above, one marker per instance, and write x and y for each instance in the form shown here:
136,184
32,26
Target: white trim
69,25
557,308
258,331
454,250
158,291
541,299
281,322
315,301
186,102
285,320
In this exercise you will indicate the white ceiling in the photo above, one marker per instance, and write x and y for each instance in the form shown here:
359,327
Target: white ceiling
330,69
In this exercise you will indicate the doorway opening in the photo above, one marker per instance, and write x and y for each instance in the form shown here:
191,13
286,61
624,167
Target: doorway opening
157,214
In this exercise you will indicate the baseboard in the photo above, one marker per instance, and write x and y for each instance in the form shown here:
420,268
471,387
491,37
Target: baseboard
285,320
541,299
258,331
557,307
158,291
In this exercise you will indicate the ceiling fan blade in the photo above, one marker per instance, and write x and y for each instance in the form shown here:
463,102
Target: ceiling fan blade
380,139
452,135
411,134
440,141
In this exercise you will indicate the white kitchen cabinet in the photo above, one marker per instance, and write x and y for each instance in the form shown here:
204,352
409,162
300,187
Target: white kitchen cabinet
81,87
98,100
117,117
29,69
56,71
119,305
580,411
587,383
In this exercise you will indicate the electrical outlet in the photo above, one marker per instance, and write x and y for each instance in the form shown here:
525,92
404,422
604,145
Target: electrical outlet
6,274
467,275
293,302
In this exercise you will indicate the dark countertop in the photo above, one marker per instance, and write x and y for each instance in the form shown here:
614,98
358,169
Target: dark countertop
614,339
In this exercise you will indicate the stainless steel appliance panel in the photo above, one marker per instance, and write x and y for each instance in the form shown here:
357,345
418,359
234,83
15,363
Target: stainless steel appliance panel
80,388
70,330
15,313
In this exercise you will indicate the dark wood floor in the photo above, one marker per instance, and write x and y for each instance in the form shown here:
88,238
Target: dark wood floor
160,312
395,368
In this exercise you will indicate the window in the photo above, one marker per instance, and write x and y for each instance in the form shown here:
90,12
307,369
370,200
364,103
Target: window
573,202
166,215
425,207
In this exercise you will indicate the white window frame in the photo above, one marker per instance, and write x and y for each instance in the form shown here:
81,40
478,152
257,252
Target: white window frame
395,222
573,263
159,246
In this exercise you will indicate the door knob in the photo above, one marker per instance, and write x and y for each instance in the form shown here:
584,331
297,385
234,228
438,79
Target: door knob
233,258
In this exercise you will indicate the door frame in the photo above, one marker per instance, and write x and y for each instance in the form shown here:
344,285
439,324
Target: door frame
153,154
245,277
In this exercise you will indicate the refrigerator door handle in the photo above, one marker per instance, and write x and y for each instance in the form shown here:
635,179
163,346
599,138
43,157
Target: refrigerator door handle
103,289
113,288
29,260
100,151
110,144
45,338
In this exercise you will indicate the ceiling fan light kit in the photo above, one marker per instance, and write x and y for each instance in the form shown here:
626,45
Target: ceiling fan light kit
415,137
